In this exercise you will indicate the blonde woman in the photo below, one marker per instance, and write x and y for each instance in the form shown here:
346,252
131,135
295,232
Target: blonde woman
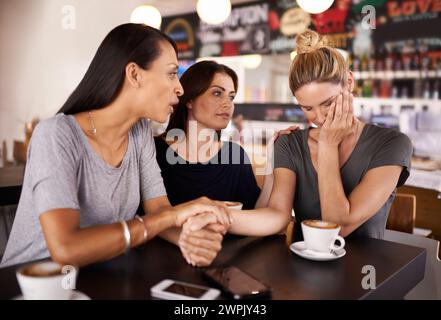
343,170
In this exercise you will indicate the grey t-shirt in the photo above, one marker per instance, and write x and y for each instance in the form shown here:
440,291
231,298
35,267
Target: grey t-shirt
376,147
63,171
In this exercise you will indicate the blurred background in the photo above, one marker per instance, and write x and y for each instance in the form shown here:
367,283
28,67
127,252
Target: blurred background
393,47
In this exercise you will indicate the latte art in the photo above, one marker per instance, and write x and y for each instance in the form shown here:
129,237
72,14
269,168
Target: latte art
320,224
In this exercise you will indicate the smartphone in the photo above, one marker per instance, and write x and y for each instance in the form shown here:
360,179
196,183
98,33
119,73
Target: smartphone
176,290
238,284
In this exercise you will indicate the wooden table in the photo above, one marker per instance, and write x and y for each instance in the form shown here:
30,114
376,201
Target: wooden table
398,269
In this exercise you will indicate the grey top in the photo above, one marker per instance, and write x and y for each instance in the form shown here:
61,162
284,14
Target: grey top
64,171
376,147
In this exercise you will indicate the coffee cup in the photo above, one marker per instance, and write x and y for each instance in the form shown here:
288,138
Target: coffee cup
233,205
46,281
321,235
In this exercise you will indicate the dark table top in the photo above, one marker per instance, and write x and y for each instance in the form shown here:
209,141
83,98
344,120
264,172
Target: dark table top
398,269
11,180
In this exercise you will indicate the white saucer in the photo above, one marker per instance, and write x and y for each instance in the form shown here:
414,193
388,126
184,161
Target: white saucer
299,248
76,295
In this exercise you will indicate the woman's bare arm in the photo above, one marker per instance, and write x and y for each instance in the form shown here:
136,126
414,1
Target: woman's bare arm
70,244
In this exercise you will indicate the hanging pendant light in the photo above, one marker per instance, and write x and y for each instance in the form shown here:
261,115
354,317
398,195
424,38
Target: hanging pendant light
315,6
213,11
148,15
252,61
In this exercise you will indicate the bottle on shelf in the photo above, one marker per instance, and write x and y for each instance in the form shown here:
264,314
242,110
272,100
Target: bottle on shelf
350,59
358,88
424,118
406,62
364,63
424,58
406,55
389,63
380,59
415,63
367,88
436,90
365,114
375,88
356,63
394,93
404,93
385,88
418,88
426,92
397,60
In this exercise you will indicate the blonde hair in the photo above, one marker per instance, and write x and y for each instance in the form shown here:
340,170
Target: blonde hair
316,62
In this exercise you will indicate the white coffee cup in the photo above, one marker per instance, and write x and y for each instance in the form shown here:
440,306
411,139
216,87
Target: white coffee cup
46,281
321,235
233,205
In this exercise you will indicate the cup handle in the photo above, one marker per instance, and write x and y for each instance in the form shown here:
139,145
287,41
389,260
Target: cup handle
342,243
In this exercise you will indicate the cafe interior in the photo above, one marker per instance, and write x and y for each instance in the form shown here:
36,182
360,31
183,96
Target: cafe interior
393,48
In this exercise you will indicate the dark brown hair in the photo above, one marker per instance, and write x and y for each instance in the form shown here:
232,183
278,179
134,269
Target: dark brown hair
195,81
104,78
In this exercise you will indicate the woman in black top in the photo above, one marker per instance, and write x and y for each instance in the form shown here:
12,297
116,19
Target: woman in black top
193,160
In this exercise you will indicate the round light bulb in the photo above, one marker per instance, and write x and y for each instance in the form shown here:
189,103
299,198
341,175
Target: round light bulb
213,11
252,61
315,6
148,15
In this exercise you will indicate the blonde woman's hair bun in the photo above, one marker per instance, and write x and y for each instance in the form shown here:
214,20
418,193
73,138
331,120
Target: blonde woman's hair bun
308,41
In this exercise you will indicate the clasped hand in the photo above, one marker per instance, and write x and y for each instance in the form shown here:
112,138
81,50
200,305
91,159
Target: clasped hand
201,236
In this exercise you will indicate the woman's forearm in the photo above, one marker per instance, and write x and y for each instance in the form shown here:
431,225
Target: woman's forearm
171,235
99,243
333,202
265,193
259,222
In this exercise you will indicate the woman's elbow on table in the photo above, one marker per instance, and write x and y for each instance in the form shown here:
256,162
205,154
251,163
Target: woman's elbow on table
64,255
350,224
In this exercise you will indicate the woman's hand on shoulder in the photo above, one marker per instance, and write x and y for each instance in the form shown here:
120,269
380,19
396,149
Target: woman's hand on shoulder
284,132
268,169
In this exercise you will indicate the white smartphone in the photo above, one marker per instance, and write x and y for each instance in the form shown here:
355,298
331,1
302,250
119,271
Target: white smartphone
176,290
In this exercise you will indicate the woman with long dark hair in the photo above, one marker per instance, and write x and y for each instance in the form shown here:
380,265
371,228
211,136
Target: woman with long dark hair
91,165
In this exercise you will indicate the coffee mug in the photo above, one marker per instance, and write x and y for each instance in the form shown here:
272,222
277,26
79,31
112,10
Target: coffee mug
234,205
321,235
46,281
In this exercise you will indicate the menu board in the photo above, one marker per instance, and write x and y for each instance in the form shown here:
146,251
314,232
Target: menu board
270,26
182,30
245,31
418,21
